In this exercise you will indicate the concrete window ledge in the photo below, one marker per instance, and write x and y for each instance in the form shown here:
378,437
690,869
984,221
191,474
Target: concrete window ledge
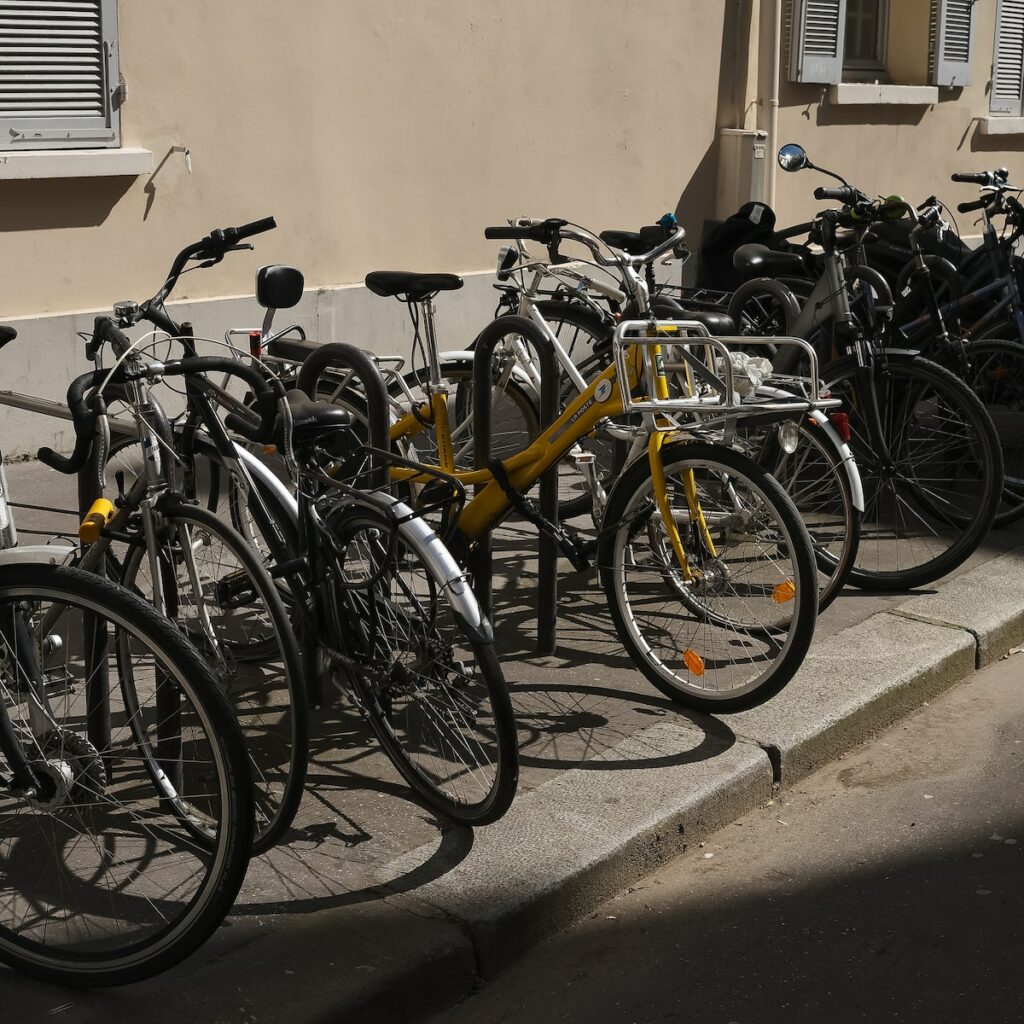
1002,126
875,93
129,161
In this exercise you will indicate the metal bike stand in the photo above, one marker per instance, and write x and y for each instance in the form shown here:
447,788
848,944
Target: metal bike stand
337,355
547,547
364,370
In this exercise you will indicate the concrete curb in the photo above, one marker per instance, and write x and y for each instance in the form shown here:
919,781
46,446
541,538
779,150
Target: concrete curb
522,880
987,601
852,685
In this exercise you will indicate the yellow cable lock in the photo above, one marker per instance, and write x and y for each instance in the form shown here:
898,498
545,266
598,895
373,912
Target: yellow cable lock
98,517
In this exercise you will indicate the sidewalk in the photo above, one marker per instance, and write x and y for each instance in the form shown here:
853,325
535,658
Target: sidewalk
374,907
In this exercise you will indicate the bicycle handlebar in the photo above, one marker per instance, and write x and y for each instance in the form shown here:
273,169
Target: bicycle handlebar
997,177
838,193
545,231
266,393
974,204
212,247
85,421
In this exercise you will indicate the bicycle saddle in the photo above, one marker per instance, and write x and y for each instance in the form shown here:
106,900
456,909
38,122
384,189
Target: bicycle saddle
310,420
756,260
636,243
414,287
7,334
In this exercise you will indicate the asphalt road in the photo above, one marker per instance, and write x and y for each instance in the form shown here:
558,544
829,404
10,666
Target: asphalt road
887,887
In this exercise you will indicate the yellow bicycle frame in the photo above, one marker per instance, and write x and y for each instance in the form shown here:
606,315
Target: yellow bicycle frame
525,468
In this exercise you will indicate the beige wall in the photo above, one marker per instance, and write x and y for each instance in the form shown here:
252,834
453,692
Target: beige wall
911,150
379,133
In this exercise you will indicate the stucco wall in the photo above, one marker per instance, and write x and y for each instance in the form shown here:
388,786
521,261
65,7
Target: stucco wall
380,133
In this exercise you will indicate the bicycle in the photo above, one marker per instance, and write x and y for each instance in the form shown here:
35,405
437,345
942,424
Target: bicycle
927,449
675,521
124,834
379,607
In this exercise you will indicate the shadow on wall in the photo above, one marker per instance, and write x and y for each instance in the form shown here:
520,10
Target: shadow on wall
696,207
982,143
39,205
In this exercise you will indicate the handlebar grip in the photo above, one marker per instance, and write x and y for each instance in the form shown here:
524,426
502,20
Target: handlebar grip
255,227
105,330
840,193
545,232
974,204
85,423
973,177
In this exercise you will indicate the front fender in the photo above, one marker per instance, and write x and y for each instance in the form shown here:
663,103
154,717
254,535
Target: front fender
39,554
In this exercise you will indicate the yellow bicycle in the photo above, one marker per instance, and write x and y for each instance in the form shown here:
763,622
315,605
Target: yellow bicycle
707,566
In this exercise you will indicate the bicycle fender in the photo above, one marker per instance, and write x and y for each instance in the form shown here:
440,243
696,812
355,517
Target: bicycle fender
849,462
422,538
269,480
846,453
39,554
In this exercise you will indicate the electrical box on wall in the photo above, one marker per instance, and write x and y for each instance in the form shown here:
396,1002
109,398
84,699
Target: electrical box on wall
741,168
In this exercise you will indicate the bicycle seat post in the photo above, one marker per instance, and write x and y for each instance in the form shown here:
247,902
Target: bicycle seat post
433,361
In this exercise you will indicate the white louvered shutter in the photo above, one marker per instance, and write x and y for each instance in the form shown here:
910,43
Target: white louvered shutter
952,26
58,74
816,47
1008,62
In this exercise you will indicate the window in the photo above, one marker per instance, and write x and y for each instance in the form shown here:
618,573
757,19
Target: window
1007,95
59,81
836,40
866,35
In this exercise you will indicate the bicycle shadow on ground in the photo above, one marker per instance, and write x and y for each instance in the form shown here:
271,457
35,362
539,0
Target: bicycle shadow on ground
575,707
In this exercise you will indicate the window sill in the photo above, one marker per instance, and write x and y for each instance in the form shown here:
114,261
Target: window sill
1002,125
878,93
129,161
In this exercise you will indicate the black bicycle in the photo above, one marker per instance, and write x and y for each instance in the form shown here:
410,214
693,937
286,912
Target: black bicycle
378,605
126,822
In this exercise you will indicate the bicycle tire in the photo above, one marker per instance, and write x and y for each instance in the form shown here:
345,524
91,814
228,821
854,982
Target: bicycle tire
276,734
216,870
407,643
997,377
978,468
823,489
789,639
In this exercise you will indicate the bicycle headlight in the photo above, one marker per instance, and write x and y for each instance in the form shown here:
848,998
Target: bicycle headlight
789,436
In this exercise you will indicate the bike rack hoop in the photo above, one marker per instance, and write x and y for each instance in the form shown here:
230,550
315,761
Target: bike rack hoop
547,548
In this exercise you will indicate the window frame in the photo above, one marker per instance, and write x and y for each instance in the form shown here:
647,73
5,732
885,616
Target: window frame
873,69
68,132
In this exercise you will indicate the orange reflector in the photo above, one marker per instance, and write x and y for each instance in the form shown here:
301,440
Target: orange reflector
784,592
694,662
270,449
998,373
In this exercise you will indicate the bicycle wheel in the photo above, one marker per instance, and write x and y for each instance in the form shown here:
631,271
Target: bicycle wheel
100,884
735,633
815,478
996,376
929,507
429,683
217,590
